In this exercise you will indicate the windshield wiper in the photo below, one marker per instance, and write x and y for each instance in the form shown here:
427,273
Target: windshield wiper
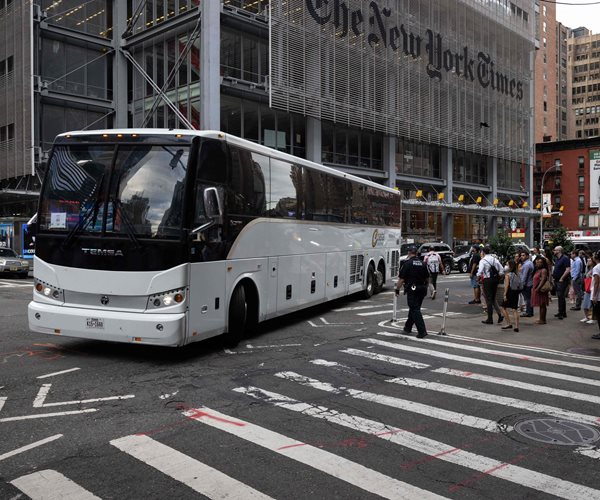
90,214
128,224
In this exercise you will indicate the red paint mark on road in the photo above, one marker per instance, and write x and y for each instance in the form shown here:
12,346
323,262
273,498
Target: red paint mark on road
291,446
477,477
467,374
194,413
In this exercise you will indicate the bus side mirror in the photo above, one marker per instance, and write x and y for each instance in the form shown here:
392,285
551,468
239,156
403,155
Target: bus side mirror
212,205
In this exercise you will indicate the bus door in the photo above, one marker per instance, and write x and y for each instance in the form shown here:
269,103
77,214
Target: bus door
208,245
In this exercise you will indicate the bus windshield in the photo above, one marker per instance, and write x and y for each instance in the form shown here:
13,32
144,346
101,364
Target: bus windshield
124,190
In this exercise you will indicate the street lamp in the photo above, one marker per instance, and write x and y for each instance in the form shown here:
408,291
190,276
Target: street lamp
556,165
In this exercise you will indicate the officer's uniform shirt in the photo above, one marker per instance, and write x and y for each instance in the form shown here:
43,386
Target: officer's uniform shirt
414,272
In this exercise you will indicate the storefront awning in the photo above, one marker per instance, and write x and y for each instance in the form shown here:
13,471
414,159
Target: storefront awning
471,209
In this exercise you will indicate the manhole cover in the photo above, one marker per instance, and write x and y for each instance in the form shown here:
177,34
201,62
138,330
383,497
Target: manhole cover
584,352
555,431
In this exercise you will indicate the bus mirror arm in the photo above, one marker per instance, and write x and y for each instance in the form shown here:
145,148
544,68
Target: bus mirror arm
201,228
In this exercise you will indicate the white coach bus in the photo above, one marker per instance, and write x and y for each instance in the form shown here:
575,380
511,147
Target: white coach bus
167,237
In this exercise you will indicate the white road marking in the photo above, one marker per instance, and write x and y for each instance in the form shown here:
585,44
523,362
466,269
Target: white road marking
483,350
2,401
383,357
429,447
390,312
167,396
322,362
590,452
401,404
507,354
326,323
22,449
51,485
250,346
324,461
38,402
358,308
521,385
501,400
481,362
59,373
198,476
47,415
523,347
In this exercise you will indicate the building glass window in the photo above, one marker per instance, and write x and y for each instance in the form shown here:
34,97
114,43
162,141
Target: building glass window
581,200
352,147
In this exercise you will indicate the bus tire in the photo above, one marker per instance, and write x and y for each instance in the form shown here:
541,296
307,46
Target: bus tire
370,284
380,277
238,316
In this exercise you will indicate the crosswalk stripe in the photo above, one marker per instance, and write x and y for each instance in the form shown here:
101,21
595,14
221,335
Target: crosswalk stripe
324,461
543,350
492,398
433,449
383,357
198,476
521,385
402,404
51,485
475,361
483,350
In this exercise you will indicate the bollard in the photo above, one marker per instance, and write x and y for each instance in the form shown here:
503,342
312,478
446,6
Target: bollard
446,295
395,312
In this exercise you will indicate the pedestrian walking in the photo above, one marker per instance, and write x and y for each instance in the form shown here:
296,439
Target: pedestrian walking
512,290
541,289
526,272
587,297
561,274
490,271
577,274
595,292
435,266
414,277
473,266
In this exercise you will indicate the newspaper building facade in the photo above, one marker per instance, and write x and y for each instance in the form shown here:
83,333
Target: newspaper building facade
433,97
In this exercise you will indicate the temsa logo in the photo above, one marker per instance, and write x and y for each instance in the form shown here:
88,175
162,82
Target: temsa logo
103,252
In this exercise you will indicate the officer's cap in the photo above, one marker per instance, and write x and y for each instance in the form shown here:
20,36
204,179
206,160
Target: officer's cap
411,249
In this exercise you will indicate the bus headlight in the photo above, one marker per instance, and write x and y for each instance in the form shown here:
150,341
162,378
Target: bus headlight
166,299
48,290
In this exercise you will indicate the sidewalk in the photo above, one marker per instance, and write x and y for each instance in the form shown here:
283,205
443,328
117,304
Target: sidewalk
568,335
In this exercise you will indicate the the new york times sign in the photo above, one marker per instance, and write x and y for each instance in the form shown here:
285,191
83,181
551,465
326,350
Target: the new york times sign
430,46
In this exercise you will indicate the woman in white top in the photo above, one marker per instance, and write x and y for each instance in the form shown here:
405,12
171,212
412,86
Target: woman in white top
595,292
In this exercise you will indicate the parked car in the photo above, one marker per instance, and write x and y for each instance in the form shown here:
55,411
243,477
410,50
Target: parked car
443,250
12,263
461,261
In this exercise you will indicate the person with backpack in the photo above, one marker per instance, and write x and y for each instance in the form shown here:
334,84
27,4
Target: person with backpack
513,286
434,264
489,272
561,276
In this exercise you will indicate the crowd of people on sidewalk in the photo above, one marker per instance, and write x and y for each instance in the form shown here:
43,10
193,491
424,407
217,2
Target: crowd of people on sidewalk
527,281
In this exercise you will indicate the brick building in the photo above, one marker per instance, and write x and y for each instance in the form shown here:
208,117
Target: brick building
570,171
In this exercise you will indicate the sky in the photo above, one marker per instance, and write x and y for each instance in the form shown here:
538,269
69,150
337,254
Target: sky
578,14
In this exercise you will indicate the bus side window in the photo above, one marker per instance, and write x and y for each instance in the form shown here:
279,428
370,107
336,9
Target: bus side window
212,164
247,193
286,190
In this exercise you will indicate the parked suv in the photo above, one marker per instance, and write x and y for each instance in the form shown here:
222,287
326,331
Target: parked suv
11,263
444,251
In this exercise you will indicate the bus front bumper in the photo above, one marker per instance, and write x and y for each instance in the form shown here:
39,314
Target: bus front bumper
113,326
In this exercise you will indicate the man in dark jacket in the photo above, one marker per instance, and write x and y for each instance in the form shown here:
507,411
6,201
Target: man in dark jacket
414,277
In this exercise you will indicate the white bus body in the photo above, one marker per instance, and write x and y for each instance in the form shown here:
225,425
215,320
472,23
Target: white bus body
90,281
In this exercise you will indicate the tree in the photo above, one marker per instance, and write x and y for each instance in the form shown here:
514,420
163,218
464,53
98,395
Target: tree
560,238
502,246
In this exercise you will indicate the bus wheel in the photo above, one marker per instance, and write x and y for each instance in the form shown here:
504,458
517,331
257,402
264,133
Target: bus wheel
370,289
238,314
379,278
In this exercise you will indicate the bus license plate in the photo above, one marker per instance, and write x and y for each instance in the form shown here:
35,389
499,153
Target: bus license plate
95,323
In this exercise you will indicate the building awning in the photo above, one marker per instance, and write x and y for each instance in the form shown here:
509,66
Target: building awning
470,209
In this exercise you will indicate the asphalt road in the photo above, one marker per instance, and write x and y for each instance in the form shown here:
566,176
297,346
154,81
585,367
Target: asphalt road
332,402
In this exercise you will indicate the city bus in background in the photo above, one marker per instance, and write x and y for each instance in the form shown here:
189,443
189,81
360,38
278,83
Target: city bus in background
591,243
167,237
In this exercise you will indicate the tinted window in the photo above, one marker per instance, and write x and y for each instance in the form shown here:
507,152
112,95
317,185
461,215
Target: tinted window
248,189
212,164
286,189
325,197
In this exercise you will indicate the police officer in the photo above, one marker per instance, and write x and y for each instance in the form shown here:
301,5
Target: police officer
414,276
